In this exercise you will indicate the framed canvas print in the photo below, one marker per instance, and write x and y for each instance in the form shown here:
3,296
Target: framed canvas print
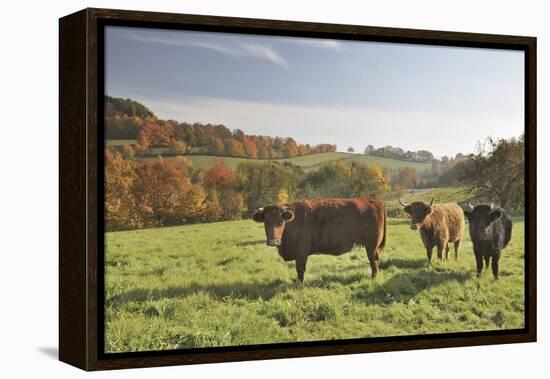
238,189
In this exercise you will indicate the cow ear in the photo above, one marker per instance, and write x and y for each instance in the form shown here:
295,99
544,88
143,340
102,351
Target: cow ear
407,209
288,215
496,214
258,216
428,210
468,215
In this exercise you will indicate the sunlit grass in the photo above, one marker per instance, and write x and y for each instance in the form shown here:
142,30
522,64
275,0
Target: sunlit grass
219,285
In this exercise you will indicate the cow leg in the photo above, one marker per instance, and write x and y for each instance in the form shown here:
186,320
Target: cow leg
447,251
374,256
377,260
494,265
300,270
479,263
487,258
457,247
429,253
440,248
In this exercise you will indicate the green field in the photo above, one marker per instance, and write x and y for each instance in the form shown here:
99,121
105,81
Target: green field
219,284
120,142
389,163
308,162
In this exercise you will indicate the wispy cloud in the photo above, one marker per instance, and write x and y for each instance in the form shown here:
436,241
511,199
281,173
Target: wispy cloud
329,44
227,47
263,52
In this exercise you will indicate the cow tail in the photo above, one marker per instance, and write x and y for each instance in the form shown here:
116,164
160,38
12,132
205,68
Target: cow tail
383,243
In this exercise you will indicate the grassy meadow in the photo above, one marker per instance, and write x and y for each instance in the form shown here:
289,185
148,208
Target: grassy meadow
218,284
311,161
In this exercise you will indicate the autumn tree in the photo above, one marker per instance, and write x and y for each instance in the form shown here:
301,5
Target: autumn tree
278,143
161,185
233,148
193,206
119,198
407,177
263,151
217,147
330,180
378,182
496,173
290,148
128,152
239,135
155,135
262,184
343,179
250,147
213,210
177,147
222,180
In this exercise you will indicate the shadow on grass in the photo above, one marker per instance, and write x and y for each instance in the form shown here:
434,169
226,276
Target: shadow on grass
250,291
403,263
325,280
401,288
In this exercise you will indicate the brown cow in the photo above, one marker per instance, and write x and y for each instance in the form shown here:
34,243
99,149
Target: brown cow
328,226
439,225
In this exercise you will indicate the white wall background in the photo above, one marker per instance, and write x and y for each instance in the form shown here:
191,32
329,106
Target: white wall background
29,177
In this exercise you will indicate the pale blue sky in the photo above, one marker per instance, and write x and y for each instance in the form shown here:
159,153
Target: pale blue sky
443,99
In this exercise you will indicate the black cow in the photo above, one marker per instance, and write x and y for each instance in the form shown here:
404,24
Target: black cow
490,232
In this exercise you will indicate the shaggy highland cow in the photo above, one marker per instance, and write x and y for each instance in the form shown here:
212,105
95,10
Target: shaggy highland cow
439,225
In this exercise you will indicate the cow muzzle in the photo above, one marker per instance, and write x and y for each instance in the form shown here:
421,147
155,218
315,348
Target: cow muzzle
273,242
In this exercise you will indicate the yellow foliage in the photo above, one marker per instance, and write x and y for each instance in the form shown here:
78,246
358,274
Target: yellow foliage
282,195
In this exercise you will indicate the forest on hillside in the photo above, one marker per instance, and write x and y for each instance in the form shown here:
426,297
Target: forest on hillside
159,192
129,120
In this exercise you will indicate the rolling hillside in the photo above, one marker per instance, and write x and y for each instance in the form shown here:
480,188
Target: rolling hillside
308,162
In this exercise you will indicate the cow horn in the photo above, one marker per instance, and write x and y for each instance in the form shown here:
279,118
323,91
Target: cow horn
492,205
402,203
431,202
470,205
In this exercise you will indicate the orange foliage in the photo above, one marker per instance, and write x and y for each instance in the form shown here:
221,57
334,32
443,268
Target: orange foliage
250,147
219,177
160,187
234,148
217,147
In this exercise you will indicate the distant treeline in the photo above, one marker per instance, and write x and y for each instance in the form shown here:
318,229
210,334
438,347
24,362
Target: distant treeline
161,192
128,119
400,154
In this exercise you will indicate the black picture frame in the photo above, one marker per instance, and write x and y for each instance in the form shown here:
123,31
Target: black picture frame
81,237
